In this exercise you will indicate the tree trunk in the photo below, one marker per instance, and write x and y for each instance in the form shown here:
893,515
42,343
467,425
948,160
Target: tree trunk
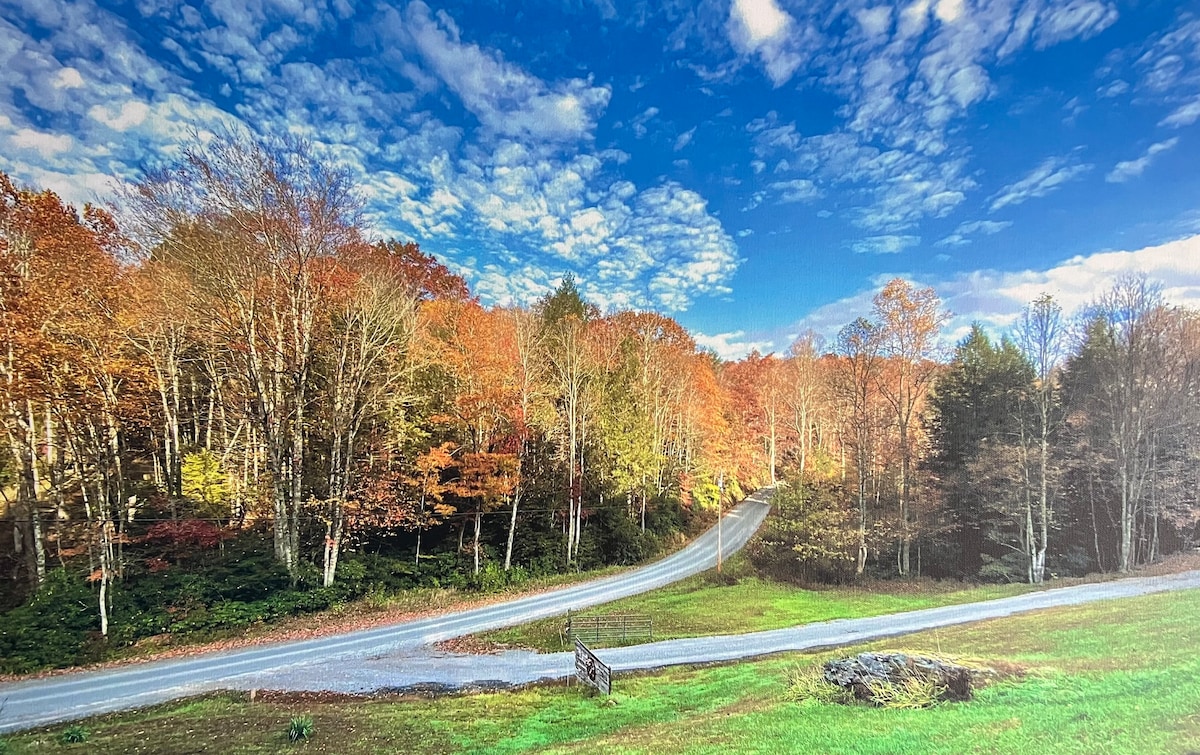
478,524
333,545
905,522
512,526
35,513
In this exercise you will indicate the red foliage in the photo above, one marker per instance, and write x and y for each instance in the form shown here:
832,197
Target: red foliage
428,277
186,534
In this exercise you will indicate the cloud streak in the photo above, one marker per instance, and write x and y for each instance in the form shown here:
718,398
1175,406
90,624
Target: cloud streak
1129,169
1050,175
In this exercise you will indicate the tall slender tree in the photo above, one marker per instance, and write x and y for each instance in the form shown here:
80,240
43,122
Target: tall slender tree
1041,334
909,321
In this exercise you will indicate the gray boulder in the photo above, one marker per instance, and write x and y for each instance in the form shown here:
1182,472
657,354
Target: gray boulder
860,673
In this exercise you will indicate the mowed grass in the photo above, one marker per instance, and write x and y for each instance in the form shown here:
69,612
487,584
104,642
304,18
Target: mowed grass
708,604
1111,677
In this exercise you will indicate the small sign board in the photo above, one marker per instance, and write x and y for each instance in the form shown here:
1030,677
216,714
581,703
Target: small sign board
590,670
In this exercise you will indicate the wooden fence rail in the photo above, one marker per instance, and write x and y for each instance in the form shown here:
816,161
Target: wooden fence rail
615,628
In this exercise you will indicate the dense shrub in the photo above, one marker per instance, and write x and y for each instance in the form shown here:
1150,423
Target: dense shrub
189,578
807,538
53,628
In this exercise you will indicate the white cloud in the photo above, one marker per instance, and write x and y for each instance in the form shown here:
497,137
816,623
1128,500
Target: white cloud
131,113
1051,174
996,298
75,187
1081,19
888,244
875,22
685,138
908,78
1184,115
1169,68
986,227
505,98
508,286
1127,169
796,190
948,11
761,27
1113,89
954,239
639,121
46,145
759,21
67,78
733,345
961,234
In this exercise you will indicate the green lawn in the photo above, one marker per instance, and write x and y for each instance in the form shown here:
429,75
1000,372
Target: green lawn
1111,677
704,605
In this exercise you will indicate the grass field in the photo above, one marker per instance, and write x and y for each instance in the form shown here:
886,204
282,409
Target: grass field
705,605
1111,677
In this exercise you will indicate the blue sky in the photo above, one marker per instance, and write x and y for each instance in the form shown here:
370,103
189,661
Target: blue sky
751,168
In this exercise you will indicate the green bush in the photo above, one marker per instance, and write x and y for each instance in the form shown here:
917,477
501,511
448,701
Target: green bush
300,727
52,628
74,734
491,578
393,574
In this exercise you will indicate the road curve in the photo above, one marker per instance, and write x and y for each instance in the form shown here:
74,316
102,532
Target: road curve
39,702
406,668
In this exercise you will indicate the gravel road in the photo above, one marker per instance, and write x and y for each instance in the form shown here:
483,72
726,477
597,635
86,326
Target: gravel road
305,664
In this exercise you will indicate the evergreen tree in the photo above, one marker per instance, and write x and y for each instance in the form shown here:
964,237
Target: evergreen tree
975,419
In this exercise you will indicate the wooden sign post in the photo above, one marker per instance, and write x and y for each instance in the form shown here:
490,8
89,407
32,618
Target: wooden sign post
590,670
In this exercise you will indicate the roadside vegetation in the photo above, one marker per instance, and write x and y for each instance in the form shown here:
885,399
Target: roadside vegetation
741,599
1113,676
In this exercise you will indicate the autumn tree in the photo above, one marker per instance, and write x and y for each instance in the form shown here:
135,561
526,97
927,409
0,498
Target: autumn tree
159,326
909,320
65,375
805,394
255,226
532,412
758,389
365,360
854,383
486,479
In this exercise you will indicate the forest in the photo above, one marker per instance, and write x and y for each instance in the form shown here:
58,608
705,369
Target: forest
225,401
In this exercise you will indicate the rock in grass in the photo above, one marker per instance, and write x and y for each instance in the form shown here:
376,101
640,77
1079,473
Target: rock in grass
866,673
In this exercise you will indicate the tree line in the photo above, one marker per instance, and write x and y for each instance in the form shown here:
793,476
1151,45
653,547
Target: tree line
229,352
236,355
1068,445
